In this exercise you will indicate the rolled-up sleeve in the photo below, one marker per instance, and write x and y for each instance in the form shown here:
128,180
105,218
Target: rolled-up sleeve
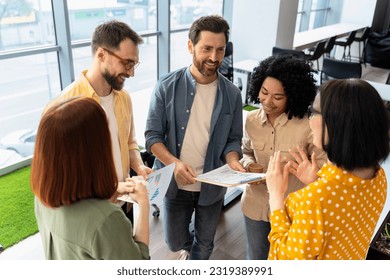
156,123
236,130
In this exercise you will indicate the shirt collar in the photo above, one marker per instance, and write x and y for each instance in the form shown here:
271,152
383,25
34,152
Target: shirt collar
281,120
91,91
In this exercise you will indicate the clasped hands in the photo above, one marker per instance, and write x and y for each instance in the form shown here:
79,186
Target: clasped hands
303,168
135,187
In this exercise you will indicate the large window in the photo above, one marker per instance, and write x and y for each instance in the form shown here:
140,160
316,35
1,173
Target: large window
183,13
37,59
27,82
312,14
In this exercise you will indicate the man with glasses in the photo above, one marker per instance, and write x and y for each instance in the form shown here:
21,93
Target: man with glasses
115,58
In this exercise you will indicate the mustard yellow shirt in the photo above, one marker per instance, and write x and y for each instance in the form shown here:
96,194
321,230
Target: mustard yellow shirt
123,109
260,141
333,218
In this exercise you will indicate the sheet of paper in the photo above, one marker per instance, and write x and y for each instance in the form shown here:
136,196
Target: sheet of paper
157,185
227,177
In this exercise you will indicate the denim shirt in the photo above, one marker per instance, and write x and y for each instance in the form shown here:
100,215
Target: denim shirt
169,112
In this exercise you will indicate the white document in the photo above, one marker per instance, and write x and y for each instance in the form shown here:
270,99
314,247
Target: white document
157,185
227,177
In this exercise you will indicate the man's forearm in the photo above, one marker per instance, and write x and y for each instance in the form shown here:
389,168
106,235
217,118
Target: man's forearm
162,153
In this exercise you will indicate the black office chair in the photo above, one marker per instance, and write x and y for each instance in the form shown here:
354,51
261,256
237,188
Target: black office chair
338,69
317,53
346,43
362,39
329,46
226,67
281,51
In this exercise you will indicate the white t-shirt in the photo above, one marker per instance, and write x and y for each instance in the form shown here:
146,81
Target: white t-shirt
197,136
107,102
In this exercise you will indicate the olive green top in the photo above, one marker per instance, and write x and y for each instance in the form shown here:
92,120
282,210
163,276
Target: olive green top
88,229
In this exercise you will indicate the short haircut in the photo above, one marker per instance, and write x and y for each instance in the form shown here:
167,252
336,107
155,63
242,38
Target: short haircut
297,79
73,157
357,123
214,23
111,33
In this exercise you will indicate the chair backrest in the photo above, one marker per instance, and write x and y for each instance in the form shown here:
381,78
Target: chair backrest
351,37
318,50
365,34
329,45
339,69
226,67
281,51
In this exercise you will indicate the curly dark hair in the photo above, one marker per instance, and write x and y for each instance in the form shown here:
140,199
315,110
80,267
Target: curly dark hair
297,79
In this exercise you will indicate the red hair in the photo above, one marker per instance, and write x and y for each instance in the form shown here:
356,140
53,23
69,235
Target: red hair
73,156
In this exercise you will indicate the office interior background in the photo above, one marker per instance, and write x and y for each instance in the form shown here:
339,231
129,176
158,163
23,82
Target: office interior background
45,44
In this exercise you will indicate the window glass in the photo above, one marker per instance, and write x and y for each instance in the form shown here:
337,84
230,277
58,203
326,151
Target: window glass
184,12
180,56
85,15
27,84
25,23
145,74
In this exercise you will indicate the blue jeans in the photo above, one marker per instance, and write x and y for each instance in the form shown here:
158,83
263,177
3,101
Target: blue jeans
177,218
257,244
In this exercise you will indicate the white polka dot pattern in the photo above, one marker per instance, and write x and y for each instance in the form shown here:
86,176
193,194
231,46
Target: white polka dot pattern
332,218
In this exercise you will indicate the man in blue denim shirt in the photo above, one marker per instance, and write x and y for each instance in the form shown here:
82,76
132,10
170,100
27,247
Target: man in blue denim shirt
195,120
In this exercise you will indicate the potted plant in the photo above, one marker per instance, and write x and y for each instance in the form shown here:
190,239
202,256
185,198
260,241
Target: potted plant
380,244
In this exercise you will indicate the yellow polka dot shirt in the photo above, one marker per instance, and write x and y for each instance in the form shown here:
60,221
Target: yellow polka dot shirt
333,218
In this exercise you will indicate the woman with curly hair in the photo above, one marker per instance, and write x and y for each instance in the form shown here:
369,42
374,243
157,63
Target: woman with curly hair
285,87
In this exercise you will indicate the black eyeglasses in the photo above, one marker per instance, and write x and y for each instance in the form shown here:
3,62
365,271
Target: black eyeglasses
128,63
311,112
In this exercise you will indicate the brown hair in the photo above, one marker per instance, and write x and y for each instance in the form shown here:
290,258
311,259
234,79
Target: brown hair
111,33
214,23
73,157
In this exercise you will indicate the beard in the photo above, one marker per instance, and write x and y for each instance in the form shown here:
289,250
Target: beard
114,81
203,68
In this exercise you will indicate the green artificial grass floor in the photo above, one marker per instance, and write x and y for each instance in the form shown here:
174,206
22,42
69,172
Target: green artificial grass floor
17,219
249,108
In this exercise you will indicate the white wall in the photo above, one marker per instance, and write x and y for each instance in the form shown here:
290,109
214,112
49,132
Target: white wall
360,12
259,25
254,28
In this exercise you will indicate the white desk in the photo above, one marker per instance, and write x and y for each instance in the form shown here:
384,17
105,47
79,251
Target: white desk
307,39
383,89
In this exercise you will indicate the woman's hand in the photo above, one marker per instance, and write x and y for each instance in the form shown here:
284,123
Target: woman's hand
125,187
139,193
302,168
277,181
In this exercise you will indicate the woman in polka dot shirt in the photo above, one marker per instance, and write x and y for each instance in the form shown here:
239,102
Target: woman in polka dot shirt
335,215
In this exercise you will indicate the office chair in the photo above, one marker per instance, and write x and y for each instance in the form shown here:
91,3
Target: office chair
329,46
338,69
281,51
362,39
226,67
317,53
346,43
